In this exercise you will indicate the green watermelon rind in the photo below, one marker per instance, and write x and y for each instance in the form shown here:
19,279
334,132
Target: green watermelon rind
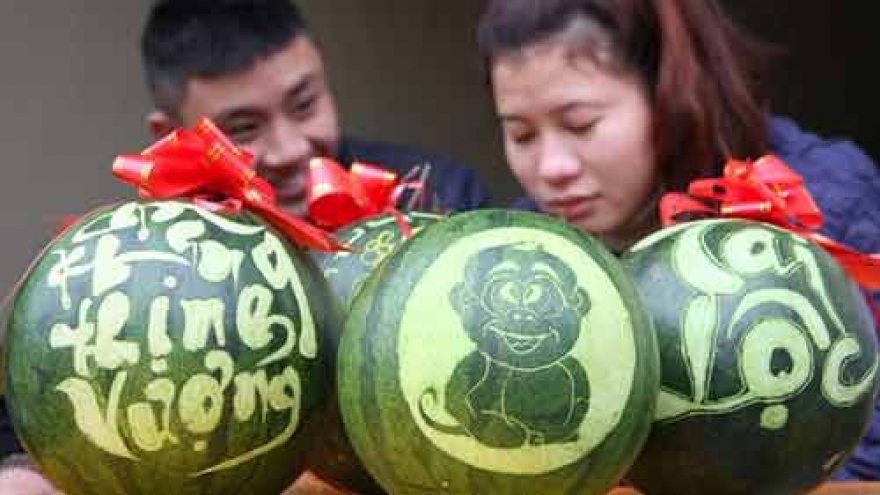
333,458
77,466
696,453
382,431
341,268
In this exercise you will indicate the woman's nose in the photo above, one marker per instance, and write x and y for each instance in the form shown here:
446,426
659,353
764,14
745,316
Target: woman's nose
557,160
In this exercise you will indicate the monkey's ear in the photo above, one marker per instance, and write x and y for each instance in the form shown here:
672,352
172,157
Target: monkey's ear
455,296
581,301
460,297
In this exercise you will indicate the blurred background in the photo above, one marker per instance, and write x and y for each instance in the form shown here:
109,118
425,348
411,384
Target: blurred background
72,96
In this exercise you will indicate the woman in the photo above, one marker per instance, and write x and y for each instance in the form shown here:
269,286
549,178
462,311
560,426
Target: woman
607,104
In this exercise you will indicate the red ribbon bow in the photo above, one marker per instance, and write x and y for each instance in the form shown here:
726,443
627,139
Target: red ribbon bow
204,165
767,190
337,197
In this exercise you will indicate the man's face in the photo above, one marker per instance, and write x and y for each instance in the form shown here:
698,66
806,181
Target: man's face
281,110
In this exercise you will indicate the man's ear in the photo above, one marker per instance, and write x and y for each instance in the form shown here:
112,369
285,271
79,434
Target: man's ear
159,123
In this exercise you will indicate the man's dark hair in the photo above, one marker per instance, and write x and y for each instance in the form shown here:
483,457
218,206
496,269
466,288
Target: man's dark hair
183,39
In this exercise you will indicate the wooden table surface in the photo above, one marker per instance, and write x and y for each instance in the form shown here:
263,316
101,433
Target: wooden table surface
311,486
840,488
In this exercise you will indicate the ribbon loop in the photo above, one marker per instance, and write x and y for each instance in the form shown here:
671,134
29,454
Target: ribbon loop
337,197
768,191
205,166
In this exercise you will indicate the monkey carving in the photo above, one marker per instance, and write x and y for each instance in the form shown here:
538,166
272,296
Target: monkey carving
522,308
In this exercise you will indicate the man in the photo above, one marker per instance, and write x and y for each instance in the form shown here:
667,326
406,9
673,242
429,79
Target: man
250,66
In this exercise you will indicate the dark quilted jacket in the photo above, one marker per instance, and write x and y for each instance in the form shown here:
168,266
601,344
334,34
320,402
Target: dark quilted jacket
846,185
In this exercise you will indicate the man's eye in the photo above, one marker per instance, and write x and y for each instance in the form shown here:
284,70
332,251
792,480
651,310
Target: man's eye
305,106
242,132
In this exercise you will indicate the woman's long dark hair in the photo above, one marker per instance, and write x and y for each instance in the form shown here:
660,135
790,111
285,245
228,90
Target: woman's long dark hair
704,75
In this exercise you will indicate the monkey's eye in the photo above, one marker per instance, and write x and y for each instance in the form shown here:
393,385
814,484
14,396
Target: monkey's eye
533,294
545,296
501,294
509,292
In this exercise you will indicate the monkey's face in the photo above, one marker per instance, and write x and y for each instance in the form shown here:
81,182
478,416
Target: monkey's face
523,312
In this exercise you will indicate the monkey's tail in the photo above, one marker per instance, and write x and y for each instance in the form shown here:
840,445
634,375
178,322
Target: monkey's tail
427,403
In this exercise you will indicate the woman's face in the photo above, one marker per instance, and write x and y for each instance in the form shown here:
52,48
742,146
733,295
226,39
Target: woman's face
578,137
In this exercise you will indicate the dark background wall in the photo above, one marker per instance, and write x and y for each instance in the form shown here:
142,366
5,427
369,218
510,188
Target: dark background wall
828,76
71,95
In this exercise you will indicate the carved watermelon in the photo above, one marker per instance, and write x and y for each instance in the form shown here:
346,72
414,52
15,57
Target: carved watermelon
768,360
373,239
160,348
498,352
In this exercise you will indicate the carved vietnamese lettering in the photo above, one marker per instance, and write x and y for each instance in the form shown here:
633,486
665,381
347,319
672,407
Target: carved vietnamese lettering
114,333
798,325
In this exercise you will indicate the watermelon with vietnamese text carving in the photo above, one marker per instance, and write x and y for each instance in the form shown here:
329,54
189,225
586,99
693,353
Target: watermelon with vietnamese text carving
768,360
161,348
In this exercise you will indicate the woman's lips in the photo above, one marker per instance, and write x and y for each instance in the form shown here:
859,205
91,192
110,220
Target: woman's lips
572,208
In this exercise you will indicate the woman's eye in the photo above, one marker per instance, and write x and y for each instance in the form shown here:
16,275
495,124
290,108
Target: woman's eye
522,137
582,129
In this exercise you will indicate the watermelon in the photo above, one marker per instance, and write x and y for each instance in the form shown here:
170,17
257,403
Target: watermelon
768,360
373,239
160,348
498,352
